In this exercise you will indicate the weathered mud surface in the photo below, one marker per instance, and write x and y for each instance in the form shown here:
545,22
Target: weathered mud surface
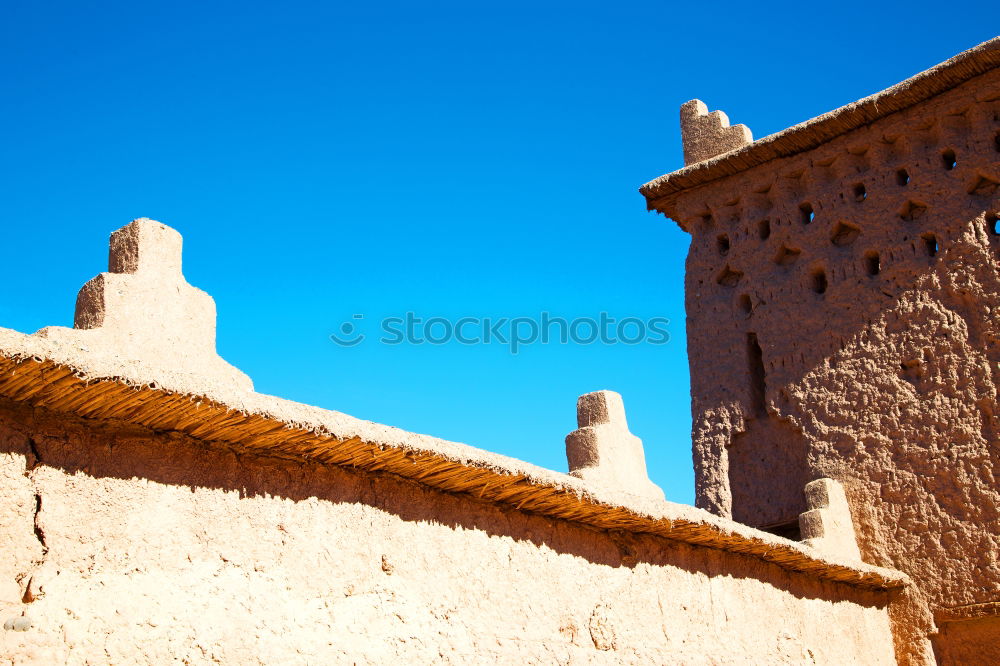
843,321
153,548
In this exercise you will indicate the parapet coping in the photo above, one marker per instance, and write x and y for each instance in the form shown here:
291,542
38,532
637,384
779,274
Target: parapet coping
70,378
821,129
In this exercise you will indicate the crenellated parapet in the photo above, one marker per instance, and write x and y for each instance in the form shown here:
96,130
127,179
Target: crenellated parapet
603,451
707,134
143,312
827,525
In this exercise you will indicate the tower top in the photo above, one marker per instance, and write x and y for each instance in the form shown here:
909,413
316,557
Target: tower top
704,142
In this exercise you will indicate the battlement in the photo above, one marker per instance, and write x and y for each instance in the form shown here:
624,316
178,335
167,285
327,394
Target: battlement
706,135
659,193
603,451
144,315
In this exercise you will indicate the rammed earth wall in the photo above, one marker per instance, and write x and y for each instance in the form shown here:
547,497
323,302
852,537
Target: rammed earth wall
146,547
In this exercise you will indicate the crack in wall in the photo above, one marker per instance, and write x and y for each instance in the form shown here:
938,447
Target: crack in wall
32,585
39,532
35,459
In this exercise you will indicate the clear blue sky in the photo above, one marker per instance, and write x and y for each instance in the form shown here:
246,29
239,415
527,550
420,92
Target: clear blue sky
326,159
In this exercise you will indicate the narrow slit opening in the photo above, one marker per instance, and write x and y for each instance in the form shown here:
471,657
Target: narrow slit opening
758,385
764,229
993,224
872,261
949,160
722,243
807,213
819,283
930,244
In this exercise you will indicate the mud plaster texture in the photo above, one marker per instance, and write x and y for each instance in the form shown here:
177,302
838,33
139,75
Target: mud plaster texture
156,509
968,634
843,322
144,313
603,451
146,547
707,134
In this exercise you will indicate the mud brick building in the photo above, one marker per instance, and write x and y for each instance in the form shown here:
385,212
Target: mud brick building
842,298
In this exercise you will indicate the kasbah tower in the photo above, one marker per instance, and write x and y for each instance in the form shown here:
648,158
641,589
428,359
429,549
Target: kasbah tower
843,318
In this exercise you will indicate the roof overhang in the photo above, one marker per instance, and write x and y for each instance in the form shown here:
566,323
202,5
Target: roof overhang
74,380
660,192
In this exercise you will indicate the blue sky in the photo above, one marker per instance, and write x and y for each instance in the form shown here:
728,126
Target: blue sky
450,159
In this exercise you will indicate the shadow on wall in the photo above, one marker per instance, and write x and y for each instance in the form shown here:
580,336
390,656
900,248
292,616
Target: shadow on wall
108,450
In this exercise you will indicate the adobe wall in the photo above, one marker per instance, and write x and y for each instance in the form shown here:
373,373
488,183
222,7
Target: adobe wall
132,546
842,322
968,635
